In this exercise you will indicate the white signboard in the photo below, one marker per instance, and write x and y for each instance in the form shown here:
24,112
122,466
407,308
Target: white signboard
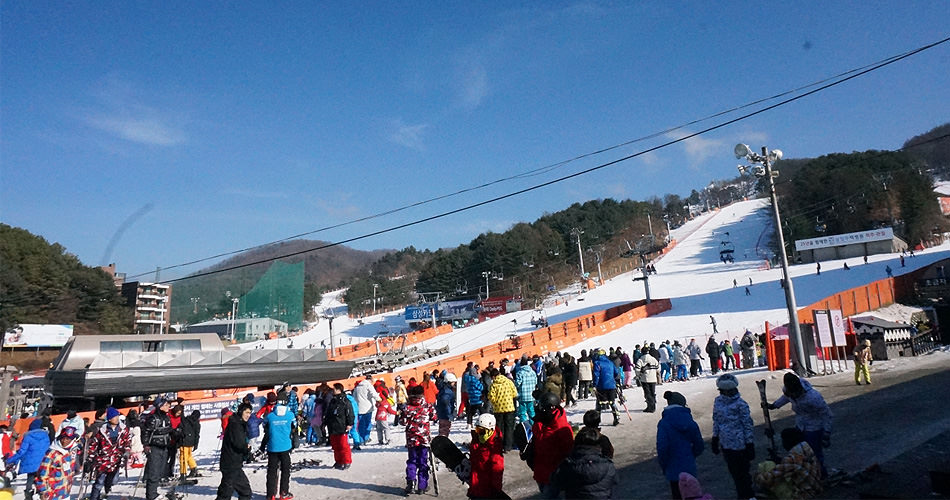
837,327
824,329
835,240
37,335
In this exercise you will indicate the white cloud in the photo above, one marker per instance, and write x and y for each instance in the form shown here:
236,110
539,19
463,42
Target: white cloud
698,149
410,136
120,111
473,85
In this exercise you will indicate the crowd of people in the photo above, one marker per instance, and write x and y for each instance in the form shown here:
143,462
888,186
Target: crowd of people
532,392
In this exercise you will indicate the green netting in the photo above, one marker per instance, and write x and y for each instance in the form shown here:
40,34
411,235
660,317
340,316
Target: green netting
277,295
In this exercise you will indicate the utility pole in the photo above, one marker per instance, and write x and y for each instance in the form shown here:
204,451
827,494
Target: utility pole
375,286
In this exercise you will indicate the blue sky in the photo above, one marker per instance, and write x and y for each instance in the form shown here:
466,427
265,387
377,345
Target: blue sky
180,130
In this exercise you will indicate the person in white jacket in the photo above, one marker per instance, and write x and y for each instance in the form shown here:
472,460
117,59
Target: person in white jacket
72,420
366,399
648,369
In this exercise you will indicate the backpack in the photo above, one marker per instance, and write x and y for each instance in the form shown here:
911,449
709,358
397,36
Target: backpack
253,426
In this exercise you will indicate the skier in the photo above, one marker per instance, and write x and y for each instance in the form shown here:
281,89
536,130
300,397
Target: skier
812,414
107,448
665,356
605,376
54,478
190,431
340,419
862,362
280,426
712,321
647,368
157,437
732,433
679,361
419,414
487,456
234,451
678,440
30,453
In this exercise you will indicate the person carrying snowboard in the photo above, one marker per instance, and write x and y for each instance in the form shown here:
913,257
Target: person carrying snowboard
486,454
732,434
812,414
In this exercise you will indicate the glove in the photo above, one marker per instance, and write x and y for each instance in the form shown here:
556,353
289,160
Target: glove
714,445
750,451
771,406
826,440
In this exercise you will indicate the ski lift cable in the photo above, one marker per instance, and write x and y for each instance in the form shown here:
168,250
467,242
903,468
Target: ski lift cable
824,83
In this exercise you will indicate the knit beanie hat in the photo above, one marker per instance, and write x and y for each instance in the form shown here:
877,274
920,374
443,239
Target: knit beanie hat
727,382
689,486
111,413
674,398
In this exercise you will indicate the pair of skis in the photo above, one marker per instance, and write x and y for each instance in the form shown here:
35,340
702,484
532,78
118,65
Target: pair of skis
769,430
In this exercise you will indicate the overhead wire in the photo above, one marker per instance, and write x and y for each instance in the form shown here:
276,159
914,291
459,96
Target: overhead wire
533,172
563,178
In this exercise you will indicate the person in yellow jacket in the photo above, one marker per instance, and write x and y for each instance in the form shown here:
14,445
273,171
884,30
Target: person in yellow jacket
862,362
502,397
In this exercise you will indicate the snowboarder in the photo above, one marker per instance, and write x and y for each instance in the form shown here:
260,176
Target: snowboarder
678,440
812,414
862,362
732,433
487,458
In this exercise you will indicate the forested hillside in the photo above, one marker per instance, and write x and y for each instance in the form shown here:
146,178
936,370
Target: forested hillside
42,283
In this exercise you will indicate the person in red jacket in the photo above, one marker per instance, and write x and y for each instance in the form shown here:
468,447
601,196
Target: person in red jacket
487,459
552,439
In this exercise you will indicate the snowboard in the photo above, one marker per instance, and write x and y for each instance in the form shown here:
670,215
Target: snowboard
448,453
522,437
769,431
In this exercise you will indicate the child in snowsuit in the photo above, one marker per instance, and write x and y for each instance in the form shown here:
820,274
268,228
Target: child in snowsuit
383,410
30,453
54,478
732,432
592,421
487,459
418,415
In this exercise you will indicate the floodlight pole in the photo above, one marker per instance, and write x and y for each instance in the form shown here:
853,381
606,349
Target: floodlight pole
794,329
580,253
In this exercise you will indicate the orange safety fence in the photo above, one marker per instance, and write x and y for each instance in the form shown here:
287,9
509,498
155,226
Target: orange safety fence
368,348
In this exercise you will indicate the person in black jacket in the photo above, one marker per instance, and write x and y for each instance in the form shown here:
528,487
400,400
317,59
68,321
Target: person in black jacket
569,372
234,450
340,418
156,436
189,430
586,473
712,349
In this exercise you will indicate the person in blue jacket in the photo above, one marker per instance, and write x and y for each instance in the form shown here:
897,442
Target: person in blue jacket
605,376
475,389
280,425
32,449
354,432
678,441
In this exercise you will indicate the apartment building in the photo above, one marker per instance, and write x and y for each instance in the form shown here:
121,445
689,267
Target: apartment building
152,306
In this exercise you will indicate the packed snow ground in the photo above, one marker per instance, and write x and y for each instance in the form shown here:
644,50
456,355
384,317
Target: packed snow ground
691,275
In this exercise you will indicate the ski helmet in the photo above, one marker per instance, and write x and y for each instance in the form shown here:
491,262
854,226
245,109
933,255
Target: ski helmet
486,421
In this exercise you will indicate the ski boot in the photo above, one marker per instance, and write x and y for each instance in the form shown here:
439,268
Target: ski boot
410,488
